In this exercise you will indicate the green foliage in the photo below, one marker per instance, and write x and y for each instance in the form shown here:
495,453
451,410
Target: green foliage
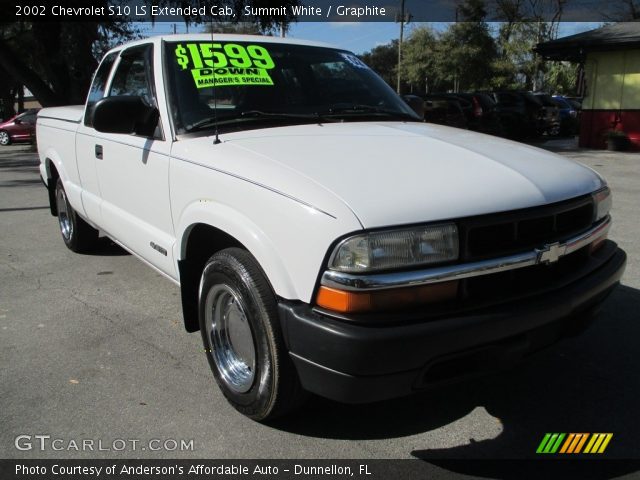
472,11
462,58
467,57
518,62
418,58
466,53
383,59
467,50
243,28
560,78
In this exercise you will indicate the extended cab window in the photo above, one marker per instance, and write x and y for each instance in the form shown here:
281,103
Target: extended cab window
98,86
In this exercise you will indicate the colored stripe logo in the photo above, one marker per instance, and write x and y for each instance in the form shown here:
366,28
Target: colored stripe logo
574,443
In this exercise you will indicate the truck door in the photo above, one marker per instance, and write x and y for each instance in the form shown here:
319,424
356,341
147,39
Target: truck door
133,171
85,143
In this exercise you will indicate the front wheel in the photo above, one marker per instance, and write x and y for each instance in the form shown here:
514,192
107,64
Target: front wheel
242,337
77,234
5,139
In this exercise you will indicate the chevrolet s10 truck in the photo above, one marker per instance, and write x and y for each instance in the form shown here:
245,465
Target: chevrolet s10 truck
324,238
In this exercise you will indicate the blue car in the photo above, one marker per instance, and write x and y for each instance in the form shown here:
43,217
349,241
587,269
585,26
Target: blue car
569,115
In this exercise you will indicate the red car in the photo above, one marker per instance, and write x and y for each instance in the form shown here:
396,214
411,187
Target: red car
20,128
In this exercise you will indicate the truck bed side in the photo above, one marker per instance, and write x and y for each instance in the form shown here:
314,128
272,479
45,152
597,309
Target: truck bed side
56,136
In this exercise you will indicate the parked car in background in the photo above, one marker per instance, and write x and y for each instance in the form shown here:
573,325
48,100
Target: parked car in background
521,113
569,115
551,114
576,101
480,112
444,109
20,128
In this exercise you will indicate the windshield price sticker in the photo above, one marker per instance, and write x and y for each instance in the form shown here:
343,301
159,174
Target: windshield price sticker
217,64
353,60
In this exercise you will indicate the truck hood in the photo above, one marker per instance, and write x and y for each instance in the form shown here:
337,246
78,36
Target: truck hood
392,173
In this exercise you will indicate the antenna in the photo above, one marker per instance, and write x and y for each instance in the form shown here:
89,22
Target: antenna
217,140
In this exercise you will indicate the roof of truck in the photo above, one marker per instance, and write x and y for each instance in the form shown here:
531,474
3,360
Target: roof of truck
203,37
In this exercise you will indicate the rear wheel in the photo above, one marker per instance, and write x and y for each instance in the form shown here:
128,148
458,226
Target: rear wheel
5,139
242,337
77,234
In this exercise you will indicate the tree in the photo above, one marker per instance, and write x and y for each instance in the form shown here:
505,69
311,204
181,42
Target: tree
518,67
466,51
242,28
526,24
383,59
418,60
516,63
55,60
560,78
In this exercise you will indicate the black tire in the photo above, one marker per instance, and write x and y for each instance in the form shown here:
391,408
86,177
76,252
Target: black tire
77,234
5,138
235,295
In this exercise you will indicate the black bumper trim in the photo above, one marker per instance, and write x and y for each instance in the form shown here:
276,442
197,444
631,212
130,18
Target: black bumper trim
357,363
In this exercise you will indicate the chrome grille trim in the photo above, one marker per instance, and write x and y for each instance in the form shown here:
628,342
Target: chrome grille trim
549,253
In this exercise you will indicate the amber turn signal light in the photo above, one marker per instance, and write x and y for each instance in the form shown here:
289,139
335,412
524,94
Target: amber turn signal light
357,302
595,246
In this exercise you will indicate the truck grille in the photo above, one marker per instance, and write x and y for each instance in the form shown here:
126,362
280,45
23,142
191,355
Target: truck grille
525,281
510,232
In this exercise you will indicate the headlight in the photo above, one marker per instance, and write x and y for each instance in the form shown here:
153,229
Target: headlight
602,203
391,249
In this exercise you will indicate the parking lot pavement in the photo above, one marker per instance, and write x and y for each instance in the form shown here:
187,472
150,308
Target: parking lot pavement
92,347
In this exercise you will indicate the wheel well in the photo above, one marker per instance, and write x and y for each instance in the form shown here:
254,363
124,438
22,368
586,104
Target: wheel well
51,186
202,242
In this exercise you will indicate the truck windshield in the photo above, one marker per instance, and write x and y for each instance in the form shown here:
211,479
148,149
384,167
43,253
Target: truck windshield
244,85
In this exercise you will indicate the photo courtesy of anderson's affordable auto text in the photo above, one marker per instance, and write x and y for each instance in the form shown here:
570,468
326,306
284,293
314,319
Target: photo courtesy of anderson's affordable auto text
300,239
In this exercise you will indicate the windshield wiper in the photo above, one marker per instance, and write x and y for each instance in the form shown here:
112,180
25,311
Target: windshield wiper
210,122
255,115
281,115
334,114
362,109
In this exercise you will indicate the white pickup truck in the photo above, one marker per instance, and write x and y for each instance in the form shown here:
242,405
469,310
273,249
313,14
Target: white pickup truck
325,239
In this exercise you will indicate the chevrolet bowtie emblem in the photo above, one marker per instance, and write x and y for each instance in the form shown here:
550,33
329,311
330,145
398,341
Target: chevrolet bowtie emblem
550,253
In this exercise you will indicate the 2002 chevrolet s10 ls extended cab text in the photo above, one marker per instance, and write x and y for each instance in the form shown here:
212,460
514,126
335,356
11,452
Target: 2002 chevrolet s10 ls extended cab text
325,239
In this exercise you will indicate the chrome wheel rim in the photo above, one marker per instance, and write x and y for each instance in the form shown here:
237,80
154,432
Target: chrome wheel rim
230,338
66,227
4,138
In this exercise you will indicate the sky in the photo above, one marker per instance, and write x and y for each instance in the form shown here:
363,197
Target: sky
358,37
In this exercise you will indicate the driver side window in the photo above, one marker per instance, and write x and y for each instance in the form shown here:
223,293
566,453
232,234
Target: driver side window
134,77
98,87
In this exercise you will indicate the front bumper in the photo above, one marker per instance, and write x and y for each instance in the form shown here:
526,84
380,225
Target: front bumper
356,362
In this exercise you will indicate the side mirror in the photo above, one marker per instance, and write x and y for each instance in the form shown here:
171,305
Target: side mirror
17,121
125,114
416,103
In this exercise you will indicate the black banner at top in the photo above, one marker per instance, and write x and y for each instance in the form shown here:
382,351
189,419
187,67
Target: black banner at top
313,10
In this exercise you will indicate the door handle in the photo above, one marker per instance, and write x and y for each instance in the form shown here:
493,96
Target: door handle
99,152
